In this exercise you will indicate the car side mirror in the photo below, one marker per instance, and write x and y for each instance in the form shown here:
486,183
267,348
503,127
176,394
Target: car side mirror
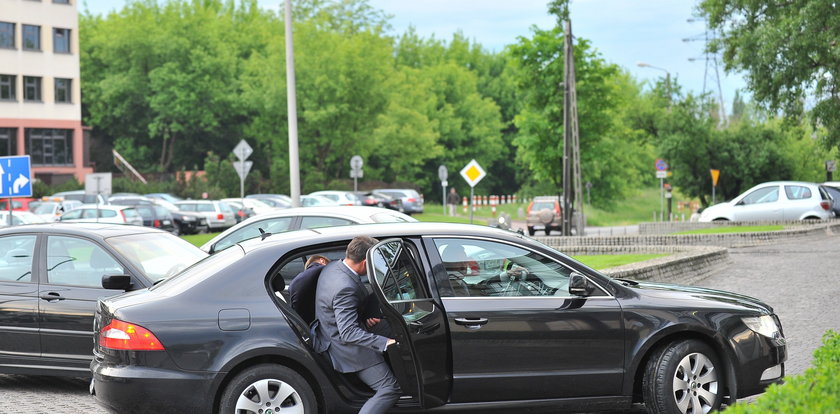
579,285
116,282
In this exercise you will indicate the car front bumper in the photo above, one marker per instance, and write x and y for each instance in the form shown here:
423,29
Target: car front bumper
760,363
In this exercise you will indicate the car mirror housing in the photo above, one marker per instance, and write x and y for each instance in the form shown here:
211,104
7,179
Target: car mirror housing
116,282
579,285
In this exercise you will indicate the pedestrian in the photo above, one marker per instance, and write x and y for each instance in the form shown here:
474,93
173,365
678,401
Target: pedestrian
343,330
302,288
452,199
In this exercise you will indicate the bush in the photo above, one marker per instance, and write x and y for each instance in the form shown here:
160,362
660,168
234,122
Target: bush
816,391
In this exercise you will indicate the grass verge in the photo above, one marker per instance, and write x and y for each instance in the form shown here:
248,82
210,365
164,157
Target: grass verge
604,261
199,239
734,229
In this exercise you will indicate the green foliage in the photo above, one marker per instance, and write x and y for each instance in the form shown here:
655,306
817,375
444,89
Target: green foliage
788,51
817,391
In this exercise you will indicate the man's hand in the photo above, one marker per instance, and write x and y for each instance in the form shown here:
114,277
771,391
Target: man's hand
389,343
372,321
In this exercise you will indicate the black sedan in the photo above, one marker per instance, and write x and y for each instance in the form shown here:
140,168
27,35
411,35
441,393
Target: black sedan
51,276
484,318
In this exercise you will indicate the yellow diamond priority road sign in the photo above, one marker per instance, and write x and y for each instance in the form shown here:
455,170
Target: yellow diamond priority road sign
473,173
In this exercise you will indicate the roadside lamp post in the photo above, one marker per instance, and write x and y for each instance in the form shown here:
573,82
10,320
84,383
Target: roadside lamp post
667,77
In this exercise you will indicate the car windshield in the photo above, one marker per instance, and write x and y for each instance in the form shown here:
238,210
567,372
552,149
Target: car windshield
46,208
158,255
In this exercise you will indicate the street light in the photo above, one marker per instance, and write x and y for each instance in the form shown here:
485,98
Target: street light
667,77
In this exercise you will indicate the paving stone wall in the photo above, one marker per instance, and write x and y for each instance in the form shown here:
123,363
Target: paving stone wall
680,226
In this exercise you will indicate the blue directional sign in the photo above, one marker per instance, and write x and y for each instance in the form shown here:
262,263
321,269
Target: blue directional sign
15,177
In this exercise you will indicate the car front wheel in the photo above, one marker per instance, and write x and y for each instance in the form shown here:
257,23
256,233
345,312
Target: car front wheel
268,388
684,377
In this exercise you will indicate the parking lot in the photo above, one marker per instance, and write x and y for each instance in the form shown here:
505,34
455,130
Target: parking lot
796,277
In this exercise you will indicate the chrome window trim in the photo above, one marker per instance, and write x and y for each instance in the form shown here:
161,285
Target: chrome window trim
598,285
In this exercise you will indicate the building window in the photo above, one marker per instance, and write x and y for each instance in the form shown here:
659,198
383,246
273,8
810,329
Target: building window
49,146
32,88
31,37
61,40
8,142
61,1
7,35
63,90
8,88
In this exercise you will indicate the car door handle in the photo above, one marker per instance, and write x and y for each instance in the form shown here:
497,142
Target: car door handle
52,297
471,323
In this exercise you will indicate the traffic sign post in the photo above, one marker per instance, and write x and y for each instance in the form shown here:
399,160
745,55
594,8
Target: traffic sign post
443,174
830,167
715,175
472,173
242,151
98,184
356,163
15,179
661,174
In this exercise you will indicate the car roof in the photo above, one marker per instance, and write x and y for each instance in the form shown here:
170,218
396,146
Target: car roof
354,212
96,230
104,206
381,230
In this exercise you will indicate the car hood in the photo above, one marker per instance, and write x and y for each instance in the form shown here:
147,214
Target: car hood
698,297
717,210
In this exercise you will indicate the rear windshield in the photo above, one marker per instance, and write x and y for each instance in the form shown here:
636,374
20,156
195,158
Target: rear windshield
391,218
130,213
205,207
199,271
157,255
543,205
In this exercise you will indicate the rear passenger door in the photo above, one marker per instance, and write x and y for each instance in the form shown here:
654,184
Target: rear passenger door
19,297
71,282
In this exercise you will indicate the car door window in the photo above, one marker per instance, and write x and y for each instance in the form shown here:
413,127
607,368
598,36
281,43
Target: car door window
16,259
252,230
797,192
108,213
205,208
186,207
399,279
72,215
478,268
88,213
313,222
762,195
78,262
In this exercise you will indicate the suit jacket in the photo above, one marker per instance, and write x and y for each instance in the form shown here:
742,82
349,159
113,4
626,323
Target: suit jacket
339,302
302,291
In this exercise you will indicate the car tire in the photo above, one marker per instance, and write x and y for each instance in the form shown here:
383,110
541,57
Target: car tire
547,230
721,219
531,230
684,376
268,387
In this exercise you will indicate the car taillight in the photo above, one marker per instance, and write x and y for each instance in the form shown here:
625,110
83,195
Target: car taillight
825,205
122,213
240,213
156,223
220,216
128,337
411,200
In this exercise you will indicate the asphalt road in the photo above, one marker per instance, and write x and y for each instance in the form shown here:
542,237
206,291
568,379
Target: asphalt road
798,278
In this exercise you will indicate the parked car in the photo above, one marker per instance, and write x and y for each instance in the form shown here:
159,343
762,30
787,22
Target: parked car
317,201
343,198
274,200
484,318
182,222
19,218
254,206
18,204
164,196
80,196
375,199
411,201
301,218
103,213
544,214
218,214
51,276
52,210
833,188
778,200
240,212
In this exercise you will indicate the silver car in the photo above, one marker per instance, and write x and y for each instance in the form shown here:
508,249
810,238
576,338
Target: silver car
778,200
302,218
219,215
412,202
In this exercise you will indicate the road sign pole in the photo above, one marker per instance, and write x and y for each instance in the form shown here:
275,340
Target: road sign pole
472,203
661,198
10,210
443,193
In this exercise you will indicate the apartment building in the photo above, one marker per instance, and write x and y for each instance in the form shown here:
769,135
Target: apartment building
40,98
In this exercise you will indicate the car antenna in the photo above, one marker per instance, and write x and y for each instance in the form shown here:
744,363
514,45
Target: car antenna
263,234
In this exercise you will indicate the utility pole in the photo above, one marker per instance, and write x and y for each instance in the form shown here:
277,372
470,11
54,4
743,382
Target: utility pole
291,105
572,189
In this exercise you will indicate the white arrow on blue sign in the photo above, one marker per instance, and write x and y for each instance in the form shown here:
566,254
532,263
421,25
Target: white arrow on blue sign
15,177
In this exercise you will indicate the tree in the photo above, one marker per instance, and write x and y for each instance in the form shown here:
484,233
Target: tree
789,51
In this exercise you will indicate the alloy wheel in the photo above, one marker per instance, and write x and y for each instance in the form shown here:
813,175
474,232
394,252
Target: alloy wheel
269,396
695,384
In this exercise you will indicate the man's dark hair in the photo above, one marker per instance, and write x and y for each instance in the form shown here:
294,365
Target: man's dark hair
358,247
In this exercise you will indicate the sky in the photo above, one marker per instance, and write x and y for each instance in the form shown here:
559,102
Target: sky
625,32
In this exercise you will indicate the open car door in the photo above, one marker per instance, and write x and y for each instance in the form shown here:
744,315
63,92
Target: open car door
421,360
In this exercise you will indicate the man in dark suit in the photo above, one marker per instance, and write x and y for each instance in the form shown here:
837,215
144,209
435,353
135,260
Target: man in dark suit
302,288
339,307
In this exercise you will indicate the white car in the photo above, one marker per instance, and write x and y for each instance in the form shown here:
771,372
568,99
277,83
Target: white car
317,201
19,217
219,215
93,213
343,198
257,206
52,210
778,200
302,218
